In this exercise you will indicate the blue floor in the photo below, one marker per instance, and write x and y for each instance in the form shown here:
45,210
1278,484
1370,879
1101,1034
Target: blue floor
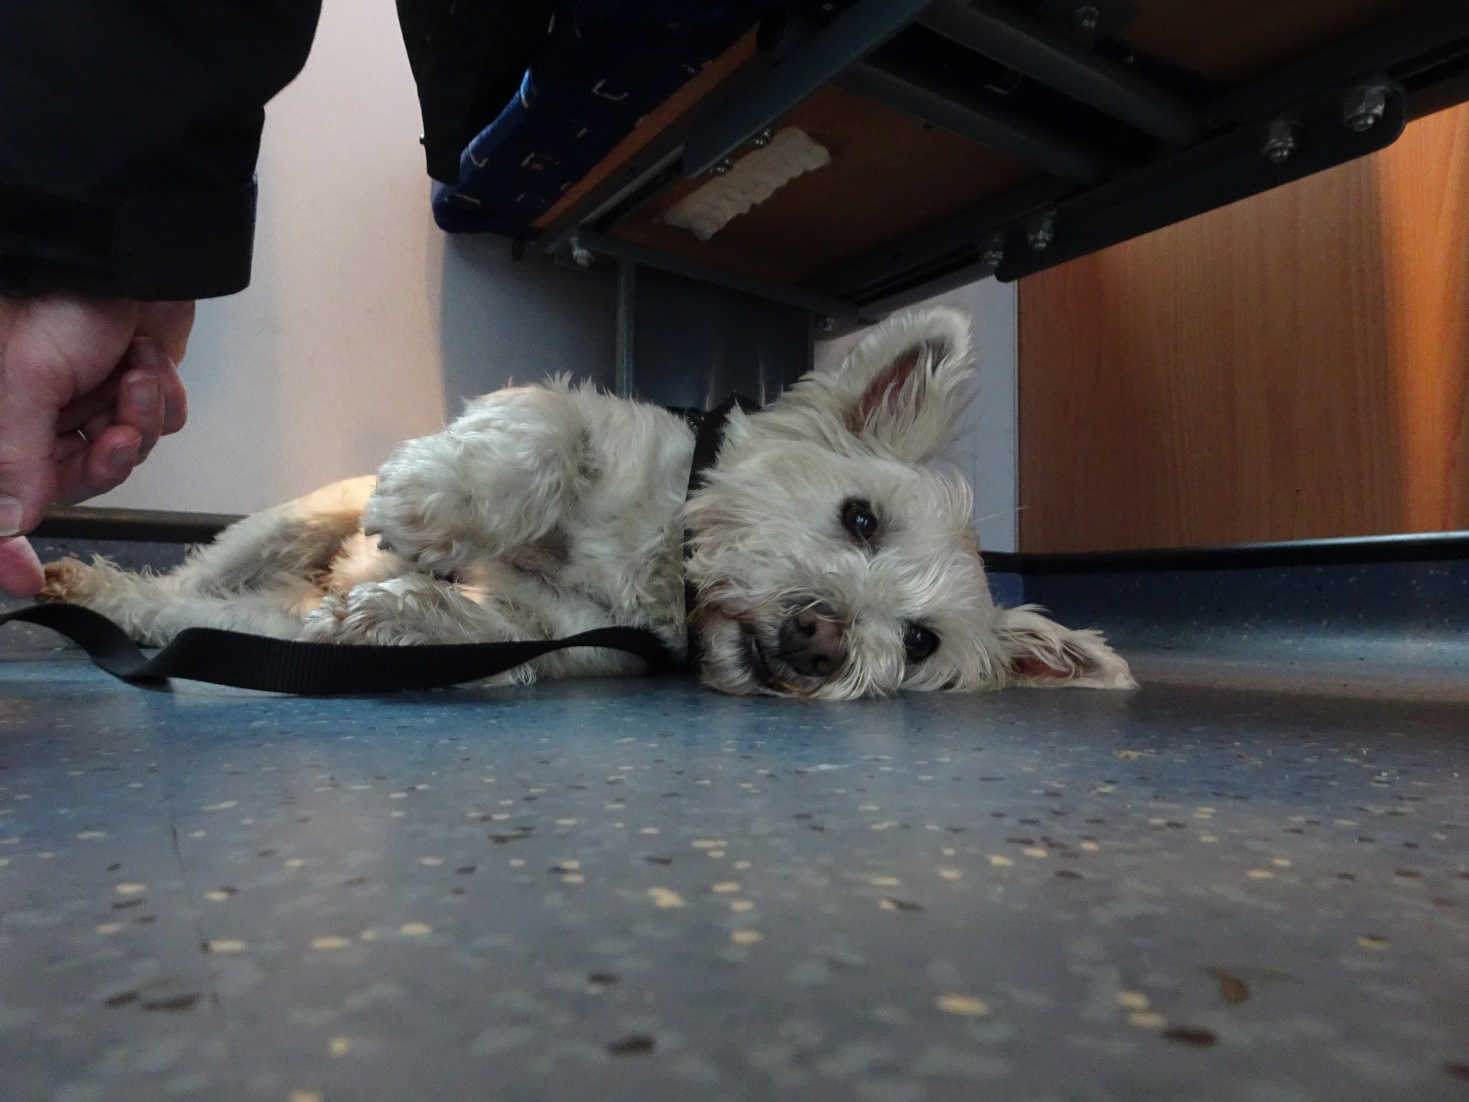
1214,888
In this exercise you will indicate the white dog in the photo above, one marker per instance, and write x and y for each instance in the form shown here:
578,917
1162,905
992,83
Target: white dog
824,559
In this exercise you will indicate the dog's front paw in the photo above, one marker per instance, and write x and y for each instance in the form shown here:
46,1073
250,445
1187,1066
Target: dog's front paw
367,615
429,525
393,613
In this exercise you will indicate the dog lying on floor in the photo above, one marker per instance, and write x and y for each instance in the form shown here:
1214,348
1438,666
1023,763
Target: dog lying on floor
823,558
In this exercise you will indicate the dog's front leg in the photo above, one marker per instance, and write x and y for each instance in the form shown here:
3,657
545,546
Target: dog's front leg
498,478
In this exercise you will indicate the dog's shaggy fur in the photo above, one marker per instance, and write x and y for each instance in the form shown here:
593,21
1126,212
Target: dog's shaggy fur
826,559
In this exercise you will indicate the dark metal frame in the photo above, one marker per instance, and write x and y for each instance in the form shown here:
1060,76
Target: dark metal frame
1186,154
84,522
627,297
1046,56
987,124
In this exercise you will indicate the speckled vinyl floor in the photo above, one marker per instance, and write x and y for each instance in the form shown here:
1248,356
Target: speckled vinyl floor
642,890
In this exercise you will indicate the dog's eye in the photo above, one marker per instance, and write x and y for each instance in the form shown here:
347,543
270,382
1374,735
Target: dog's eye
919,642
859,519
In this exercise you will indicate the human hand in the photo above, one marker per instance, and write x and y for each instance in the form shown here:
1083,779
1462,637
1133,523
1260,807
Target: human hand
87,386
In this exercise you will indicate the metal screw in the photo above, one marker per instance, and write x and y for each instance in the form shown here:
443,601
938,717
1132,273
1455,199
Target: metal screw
1281,141
581,256
825,323
762,139
993,255
1364,105
1086,17
1040,232
721,166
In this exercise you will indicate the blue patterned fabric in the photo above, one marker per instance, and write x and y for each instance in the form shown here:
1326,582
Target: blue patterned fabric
605,65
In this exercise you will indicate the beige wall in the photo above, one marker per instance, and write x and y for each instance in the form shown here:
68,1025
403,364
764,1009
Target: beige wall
364,324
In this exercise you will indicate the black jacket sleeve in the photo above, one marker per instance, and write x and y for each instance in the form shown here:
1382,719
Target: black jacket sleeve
467,60
128,139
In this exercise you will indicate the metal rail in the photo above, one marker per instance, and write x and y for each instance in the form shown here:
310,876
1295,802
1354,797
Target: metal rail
990,125
816,303
1032,49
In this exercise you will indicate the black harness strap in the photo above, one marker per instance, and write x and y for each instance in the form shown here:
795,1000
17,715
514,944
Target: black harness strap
708,427
708,435
333,669
316,669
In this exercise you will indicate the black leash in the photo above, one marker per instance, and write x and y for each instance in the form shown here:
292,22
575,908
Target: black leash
246,661
315,669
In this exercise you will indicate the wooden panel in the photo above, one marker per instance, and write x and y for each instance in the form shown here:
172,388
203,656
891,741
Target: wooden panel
1425,219
889,175
1294,366
1232,40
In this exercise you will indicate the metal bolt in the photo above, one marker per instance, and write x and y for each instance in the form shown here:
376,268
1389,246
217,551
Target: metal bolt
1086,17
1364,105
1282,139
721,166
762,139
825,323
581,256
1040,232
993,255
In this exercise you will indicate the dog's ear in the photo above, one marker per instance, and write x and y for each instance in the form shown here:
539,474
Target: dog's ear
1038,651
902,385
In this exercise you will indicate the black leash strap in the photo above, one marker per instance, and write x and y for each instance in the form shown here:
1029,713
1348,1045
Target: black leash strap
315,669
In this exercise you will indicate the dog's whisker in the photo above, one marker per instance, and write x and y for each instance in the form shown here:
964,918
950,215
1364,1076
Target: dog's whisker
997,514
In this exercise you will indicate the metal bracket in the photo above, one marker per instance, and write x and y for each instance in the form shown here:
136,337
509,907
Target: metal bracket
1242,162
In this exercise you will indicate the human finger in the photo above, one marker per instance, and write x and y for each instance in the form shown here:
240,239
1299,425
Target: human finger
104,464
140,405
51,351
20,569
145,392
175,396
170,323
90,429
74,443
85,410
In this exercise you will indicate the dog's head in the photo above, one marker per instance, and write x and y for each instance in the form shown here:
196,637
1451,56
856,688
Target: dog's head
828,561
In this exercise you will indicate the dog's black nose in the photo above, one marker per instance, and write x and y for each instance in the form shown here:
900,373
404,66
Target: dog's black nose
812,641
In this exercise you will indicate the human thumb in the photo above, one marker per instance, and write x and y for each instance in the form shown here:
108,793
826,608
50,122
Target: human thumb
20,570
